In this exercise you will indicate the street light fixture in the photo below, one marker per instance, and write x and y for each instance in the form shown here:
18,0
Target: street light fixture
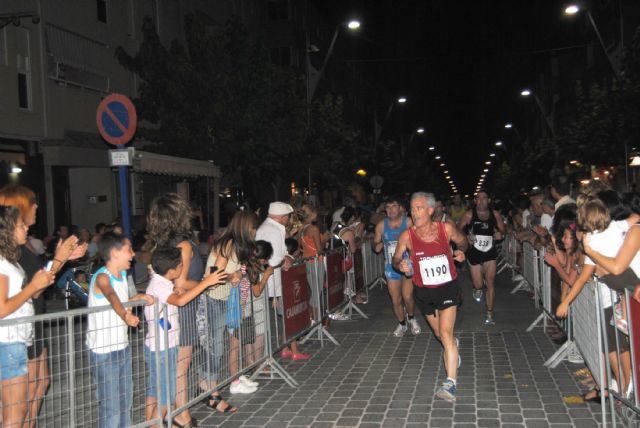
402,100
437,157
487,163
354,24
508,125
432,148
420,130
498,143
491,155
572,9
525,92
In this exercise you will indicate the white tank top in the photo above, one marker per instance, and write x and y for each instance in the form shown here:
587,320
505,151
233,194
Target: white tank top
22,332
106,331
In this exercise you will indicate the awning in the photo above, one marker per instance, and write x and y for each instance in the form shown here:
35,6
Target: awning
153,163
12,157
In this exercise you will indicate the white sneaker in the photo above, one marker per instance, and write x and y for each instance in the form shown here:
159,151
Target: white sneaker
415,327
248,382
241,388
400,330
339,316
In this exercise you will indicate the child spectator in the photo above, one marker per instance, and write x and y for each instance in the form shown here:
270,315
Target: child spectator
259,272
107,338
293,248
15,302
166,263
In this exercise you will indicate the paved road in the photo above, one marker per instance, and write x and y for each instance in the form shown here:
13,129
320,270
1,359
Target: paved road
374,379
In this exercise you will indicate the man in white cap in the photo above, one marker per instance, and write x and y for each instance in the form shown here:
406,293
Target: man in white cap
273,231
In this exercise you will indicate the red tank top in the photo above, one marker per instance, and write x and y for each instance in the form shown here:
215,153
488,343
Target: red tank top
433,264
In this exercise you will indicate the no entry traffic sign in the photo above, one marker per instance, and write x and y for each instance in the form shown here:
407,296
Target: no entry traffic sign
116,119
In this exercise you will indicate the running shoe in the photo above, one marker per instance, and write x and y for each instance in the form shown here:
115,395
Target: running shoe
477,294
415,327
400,330
248,382
488,319
447,391
339,316
241,388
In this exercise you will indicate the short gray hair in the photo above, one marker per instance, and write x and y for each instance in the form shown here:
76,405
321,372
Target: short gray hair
429,197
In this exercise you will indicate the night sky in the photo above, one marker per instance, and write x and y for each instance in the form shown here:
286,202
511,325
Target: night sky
460,63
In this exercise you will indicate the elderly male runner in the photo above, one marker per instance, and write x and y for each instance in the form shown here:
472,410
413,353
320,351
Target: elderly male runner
400,287
436,289
485,226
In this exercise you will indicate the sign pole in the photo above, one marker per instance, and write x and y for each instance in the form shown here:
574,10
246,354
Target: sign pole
123,172
117,122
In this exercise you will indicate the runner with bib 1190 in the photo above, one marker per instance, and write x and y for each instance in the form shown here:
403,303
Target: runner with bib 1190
436,289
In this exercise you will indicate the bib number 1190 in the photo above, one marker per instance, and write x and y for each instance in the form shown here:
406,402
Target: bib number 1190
435,270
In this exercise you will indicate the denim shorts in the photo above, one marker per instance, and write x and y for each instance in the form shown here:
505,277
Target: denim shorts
159,371
13,360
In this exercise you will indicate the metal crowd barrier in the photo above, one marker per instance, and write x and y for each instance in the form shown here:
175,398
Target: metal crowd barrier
589,330
217,349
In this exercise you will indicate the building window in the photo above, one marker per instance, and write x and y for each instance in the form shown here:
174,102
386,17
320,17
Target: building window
278,10
23,65
23,91
281,56
102,10
3,47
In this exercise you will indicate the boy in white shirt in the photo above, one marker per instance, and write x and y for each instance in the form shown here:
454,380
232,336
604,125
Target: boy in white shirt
107,336
163,334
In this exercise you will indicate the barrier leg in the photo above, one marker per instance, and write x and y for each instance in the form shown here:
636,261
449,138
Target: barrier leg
559,355
541,317
276,371
522,285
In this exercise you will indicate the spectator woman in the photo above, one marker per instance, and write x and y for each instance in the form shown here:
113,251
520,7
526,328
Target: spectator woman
311,243
31,262
169,224
234,249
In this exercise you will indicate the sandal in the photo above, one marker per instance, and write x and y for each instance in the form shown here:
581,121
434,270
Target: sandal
217,401
595,398
191,424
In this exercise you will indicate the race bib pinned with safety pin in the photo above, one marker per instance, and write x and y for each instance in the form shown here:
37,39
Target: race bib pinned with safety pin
483,243
434,270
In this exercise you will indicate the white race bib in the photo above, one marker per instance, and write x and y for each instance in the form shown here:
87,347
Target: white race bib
483,243
434,270
391,250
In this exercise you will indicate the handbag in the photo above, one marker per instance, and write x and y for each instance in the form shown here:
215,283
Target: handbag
347,263
234,314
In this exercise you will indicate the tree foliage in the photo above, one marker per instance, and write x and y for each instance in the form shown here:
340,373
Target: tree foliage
217,96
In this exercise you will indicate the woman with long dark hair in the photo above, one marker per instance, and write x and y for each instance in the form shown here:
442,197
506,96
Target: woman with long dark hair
169,224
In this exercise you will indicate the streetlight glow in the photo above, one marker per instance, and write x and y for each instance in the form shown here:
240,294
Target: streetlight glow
420,130
491,155
486,170
498,143
525,92
508,125
442,164
572,9
402,100
432,148
448,177
437,157
487,163
353,24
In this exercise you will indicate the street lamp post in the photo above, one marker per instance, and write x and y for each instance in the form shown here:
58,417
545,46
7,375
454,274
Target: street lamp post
312,81
510,126
573,9
547,119
379,128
